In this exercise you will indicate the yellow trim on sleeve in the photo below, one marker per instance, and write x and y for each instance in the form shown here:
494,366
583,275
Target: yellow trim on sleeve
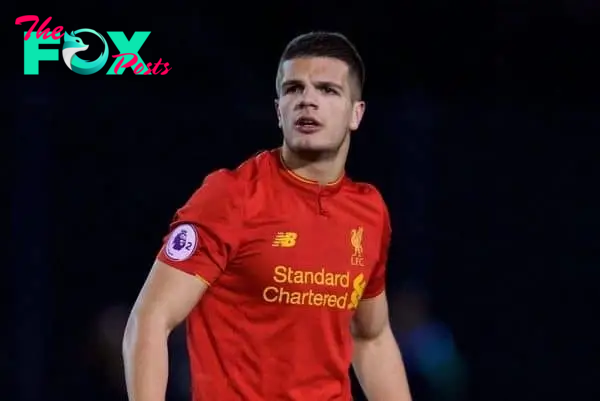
199,277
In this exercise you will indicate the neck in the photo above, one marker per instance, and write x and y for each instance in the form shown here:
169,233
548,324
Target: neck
323,167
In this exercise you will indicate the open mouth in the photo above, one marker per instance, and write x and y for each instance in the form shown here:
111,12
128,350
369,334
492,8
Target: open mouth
307,125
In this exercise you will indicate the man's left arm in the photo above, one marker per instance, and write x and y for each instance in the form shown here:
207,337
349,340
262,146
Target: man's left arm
377,360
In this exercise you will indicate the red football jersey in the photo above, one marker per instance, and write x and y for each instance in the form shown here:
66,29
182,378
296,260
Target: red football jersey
287,261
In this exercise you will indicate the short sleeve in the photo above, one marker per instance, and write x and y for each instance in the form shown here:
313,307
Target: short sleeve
205,232
376,283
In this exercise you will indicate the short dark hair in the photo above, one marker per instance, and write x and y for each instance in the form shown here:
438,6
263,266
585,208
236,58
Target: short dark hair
326,44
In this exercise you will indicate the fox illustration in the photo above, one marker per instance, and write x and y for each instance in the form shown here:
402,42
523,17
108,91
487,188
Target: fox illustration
72,45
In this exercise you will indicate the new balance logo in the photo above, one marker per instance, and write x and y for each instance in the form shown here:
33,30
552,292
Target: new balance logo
285,239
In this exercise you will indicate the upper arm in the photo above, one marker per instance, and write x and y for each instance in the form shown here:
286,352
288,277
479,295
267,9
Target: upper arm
202,239
376,283
204,234
168,295
371,317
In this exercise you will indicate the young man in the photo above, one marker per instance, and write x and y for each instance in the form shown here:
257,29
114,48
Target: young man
279,265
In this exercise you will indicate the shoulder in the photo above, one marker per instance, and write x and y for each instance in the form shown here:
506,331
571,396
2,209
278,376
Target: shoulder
368,192
370,197
234,183
245,172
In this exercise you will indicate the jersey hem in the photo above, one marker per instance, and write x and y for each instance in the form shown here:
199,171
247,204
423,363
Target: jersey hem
199,277
378,293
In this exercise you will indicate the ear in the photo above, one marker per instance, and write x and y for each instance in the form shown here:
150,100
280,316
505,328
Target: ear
358,110
278,113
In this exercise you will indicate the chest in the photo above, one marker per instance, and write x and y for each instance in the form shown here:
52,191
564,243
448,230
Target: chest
295,255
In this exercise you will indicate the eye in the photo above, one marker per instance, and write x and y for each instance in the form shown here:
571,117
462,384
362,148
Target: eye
292,89
329,90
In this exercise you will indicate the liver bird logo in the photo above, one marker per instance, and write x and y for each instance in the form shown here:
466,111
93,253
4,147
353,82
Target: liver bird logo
356,241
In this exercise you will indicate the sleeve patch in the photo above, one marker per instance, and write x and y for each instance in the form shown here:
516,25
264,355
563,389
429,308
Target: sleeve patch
182,243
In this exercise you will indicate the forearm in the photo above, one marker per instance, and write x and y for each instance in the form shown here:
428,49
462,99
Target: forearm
145,356
379,368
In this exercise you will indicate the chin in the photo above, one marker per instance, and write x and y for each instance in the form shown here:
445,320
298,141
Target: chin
307,144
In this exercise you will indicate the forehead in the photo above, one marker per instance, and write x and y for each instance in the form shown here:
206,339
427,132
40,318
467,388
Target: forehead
315,69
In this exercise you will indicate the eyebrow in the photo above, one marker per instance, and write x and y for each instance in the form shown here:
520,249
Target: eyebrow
292,82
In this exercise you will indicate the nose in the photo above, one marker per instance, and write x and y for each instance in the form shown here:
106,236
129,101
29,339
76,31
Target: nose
308,99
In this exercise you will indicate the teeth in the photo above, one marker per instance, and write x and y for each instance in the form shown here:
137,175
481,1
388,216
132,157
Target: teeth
307,121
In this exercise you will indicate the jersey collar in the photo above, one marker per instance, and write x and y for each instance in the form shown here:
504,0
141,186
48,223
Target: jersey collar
303,183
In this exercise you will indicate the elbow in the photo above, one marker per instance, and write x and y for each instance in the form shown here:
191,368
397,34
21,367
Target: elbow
143,327
129,336
371,332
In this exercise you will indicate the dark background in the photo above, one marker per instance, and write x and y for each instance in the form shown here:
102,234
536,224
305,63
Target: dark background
480,132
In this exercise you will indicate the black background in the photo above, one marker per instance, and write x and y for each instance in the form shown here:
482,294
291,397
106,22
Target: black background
480,132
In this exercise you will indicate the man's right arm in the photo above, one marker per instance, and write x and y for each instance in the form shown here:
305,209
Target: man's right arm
203,238
167,297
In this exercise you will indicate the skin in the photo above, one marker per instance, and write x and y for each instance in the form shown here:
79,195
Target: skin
324,89
321,88
167,297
